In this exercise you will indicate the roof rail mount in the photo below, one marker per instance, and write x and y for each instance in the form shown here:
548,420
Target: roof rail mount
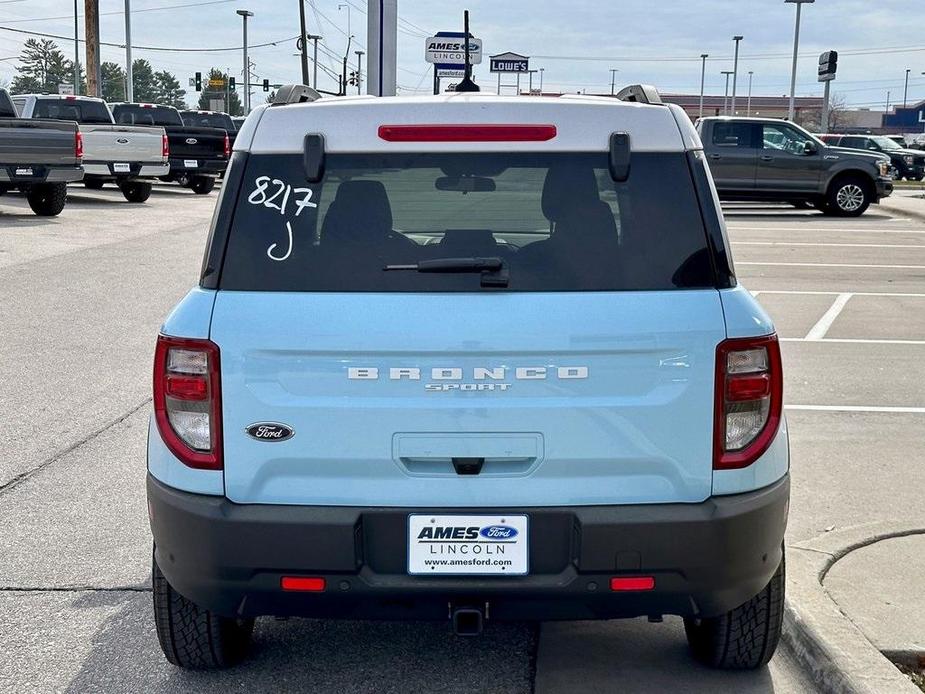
295,94
641,94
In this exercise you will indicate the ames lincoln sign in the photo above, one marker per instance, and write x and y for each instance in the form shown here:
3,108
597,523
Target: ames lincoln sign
448,49
510,62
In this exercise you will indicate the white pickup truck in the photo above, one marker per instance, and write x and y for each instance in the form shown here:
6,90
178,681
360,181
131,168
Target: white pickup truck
128,155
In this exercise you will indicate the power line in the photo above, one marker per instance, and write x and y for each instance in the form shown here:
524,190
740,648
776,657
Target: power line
757,56
121,12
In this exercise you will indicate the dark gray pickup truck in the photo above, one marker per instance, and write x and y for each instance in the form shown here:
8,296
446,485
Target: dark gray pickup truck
767,159
38,157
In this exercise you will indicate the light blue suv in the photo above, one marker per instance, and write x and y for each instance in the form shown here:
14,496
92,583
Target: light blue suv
468,358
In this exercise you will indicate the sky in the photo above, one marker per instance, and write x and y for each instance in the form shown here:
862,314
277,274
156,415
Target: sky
577,42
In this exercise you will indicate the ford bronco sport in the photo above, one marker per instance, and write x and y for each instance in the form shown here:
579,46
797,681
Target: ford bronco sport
469,358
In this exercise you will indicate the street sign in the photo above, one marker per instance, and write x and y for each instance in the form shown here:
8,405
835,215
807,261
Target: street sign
455,74
66,89
510,62
448,51
217,83
828,65
216,104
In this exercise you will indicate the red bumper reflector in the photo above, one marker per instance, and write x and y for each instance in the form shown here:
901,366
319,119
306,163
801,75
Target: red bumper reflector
632,583
489,132
302,583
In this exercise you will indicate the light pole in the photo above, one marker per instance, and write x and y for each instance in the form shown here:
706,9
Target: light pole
349,33
247,68
76,54
541,79
359,71
703,75
726,93
749,102
315,38
128,52
906,88
791,111
735,72
613,79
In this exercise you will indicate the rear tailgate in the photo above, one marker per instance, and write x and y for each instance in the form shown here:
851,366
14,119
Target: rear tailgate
122,143
189,142
27,141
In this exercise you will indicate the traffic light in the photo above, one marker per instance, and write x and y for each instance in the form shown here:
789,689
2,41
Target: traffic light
198,81
266,85
352,79
231,85
828,64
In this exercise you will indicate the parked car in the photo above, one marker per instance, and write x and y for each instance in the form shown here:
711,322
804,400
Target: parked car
131,157
211,119
908,163
898,139
38,158
595,429
767,159
238,121
197,155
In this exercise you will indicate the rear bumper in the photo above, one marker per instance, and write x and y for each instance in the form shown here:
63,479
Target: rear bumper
135,170
40,174
706,558
209,167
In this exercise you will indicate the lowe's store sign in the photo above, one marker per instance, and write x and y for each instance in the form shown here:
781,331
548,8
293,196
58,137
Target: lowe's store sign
510,62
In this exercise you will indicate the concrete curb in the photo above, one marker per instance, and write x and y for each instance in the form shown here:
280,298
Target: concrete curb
888,205
832,650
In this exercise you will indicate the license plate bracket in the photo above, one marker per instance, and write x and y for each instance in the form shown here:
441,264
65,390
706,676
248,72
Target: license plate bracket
468,544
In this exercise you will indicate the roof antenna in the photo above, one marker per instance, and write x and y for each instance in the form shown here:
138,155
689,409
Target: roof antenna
466,84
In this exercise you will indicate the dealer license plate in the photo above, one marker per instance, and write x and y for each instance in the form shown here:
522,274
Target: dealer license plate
468,545
121,168
26,171
191,163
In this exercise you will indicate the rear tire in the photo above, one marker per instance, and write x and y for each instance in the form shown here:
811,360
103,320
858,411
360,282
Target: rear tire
47,199
744,638
848,197
202,185
136,191
193,637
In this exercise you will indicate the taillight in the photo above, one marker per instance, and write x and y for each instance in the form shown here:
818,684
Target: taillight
78,145
749,399
187,400
227,146
165,146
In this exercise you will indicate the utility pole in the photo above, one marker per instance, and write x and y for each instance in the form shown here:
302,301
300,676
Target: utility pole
703,76
343,92
791,111
76,54
888,101
129,84
92,28
314,38
247,66
906,88
735,72
749,102
359,71
726,93
613,79
302,39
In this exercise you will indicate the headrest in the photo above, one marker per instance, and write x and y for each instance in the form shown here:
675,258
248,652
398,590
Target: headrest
565,187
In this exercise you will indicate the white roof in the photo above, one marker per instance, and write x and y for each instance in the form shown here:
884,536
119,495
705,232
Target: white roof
351,124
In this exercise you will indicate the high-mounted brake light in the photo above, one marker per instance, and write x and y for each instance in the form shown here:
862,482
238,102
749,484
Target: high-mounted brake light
165,146
78,145
488,132
748,400
187,400
227,146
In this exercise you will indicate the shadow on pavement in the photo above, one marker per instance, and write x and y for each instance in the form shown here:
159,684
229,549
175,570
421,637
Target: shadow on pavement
302,655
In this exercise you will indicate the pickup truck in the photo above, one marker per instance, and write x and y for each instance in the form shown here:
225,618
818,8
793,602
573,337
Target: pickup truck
197,155
130,157
38,157
211,119
908,163
768,159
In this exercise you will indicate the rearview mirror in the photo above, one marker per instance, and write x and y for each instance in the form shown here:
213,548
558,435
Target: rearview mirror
809,148
465,184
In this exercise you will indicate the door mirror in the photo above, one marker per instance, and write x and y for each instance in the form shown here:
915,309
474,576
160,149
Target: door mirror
809,148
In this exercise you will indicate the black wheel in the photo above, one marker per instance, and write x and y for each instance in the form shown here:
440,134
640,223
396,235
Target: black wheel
202,185
93,183
849,197
193,637
744,638
136,191
47,199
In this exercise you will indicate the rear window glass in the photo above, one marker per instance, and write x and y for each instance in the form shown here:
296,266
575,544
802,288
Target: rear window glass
144,115
207,120
556,220
86,112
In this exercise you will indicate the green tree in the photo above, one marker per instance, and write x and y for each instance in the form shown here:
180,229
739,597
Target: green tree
144,84
233,107
113,87
42,68
168,89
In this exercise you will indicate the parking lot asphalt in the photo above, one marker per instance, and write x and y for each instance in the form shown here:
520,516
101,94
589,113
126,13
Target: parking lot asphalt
83,296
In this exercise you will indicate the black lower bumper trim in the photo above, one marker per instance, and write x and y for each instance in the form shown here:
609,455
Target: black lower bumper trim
706,558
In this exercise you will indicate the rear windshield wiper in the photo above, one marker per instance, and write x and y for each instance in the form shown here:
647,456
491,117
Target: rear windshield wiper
494,272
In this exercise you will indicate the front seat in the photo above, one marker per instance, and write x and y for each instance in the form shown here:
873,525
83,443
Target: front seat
360,214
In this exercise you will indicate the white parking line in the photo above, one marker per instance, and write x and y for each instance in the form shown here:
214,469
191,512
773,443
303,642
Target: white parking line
818,331
854,265
825,293
826,245
853,340
856,408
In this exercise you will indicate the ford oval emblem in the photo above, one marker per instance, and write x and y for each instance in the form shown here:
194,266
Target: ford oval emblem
191,140
122,141
498,532
269,431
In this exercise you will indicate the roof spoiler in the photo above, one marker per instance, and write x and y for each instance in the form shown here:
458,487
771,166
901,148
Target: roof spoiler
294,94
641,94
